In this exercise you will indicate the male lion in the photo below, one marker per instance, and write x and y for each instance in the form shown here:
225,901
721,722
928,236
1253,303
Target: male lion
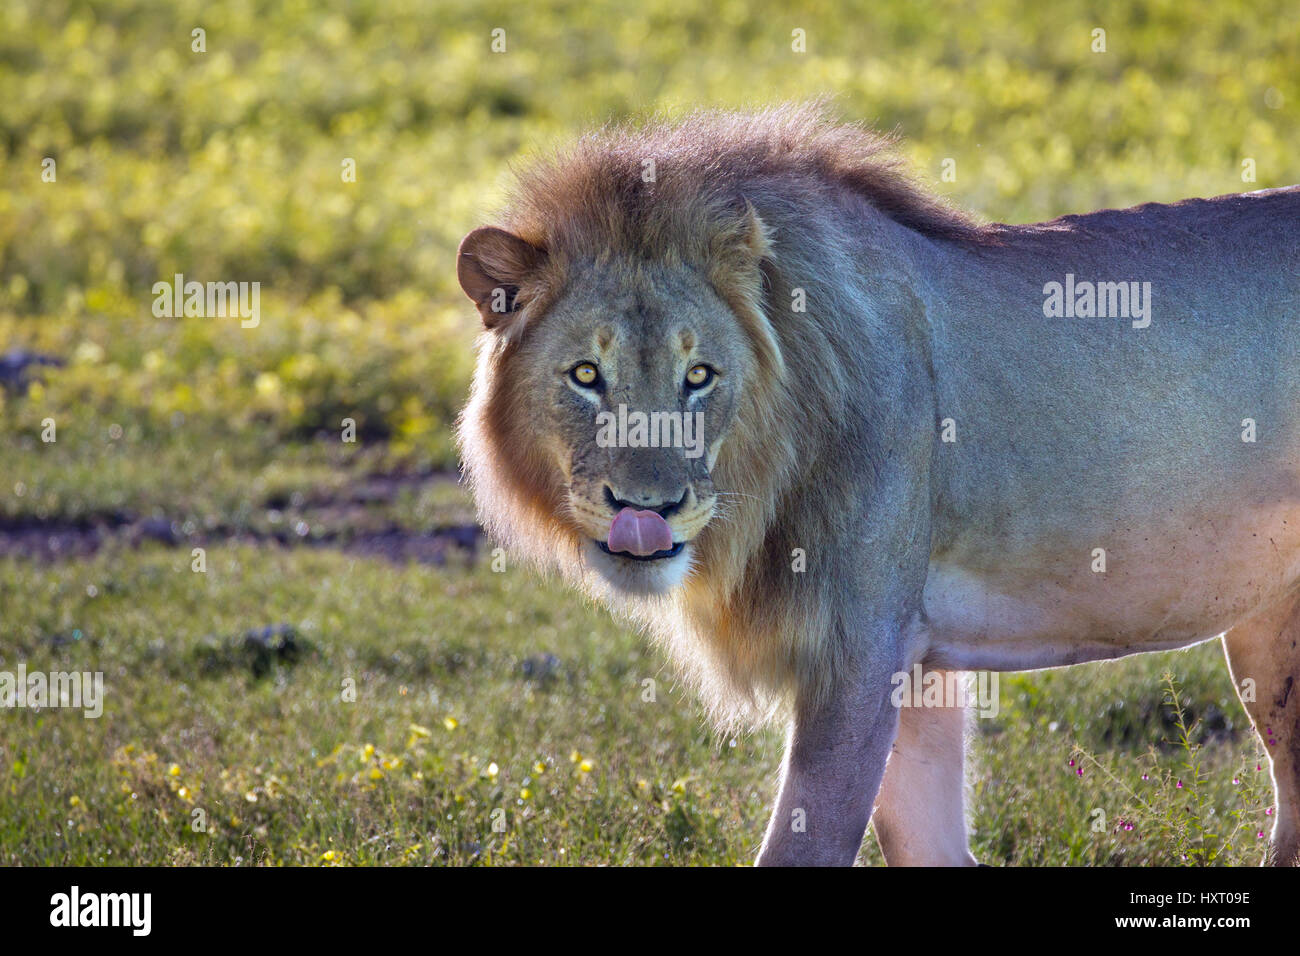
923,442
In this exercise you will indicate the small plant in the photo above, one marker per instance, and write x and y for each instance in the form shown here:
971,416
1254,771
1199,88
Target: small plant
1177,803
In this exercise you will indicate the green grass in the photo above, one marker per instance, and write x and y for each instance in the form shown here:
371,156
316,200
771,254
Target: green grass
286,771
226,166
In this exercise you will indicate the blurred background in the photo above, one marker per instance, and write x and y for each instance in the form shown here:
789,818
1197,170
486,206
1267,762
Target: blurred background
482,698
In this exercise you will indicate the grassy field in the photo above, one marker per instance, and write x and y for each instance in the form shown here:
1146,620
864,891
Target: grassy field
349,681
479,693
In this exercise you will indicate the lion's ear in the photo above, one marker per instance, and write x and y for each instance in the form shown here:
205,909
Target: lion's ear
491,265
742,270
753,234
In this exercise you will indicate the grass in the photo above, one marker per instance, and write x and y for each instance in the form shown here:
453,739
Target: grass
226,165
481,693
445,729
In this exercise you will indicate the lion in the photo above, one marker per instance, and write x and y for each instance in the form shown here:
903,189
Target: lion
920,441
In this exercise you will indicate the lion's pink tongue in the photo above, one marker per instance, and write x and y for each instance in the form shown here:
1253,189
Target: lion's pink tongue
639,532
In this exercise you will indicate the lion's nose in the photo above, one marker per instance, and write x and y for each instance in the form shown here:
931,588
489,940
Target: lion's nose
644,502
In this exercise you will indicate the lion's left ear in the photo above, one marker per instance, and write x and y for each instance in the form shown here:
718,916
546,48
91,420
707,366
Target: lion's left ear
492,265
753,234
741,269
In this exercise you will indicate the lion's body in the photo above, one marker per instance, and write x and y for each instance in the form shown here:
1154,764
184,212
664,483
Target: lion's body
1075,434
917,467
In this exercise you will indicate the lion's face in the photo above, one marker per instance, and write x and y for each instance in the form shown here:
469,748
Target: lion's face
635,374
607,393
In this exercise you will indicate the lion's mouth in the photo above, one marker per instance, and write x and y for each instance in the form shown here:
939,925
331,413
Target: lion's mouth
672,552
640,534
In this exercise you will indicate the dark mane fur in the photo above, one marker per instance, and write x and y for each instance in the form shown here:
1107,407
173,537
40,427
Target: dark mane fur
592,198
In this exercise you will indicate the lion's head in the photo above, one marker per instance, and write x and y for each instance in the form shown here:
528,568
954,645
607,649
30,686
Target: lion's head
609,386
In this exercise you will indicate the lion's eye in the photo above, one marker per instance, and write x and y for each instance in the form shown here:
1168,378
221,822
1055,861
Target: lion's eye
699,376
585,374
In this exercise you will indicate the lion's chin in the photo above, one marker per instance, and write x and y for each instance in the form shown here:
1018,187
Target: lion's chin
631,577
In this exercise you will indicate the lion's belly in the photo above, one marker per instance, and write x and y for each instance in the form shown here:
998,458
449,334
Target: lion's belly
1162,588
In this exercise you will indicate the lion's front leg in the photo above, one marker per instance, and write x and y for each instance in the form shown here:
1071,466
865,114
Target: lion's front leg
834,761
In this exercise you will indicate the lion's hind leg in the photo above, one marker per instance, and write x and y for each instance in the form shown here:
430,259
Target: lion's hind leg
919,817
1265,651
